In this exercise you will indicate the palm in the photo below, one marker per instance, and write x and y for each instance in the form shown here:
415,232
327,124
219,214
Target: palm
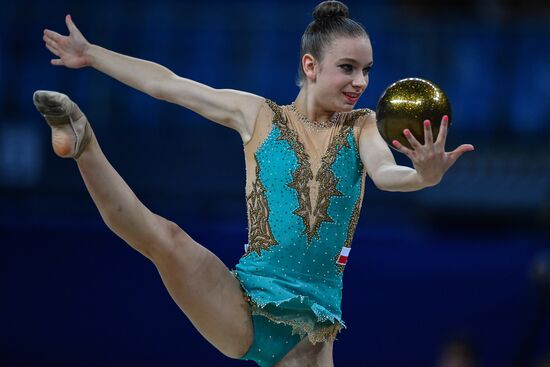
72,54
431,160
70,49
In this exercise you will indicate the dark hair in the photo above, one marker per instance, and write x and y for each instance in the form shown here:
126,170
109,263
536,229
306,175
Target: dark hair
330,19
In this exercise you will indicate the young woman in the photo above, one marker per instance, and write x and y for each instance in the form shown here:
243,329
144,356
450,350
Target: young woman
306,167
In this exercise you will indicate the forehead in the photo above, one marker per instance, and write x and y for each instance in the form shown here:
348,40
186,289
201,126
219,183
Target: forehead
356,48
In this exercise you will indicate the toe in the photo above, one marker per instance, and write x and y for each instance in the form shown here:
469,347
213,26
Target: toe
49,103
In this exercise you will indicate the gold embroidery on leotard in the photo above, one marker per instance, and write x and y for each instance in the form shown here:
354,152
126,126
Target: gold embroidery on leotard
260,234
327,180
351,230
303,175
354,219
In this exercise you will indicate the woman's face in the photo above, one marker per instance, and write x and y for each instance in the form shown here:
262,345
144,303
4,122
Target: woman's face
343,74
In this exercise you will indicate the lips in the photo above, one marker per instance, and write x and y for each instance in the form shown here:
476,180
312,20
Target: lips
351,97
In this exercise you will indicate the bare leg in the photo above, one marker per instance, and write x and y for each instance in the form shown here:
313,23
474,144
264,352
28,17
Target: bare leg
197,280
305,354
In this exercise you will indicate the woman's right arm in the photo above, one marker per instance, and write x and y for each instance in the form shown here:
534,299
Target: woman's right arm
231,108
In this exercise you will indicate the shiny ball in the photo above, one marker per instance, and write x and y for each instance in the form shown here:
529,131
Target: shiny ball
406,104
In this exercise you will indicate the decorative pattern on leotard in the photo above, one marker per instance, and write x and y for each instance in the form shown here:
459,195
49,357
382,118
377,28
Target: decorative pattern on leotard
328,181
351,230
260,234
289,272
304,174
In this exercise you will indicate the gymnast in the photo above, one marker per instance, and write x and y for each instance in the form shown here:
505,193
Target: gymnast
306,165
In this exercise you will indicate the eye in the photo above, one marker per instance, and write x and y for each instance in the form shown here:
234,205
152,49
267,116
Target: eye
347,68
367,70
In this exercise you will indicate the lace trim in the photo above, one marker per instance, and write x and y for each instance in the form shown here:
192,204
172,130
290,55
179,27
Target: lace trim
315,335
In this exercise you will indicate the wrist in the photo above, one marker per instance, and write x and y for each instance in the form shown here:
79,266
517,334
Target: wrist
424,181
90,54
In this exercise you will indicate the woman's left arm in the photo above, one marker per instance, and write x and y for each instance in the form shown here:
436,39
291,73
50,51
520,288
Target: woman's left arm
430,160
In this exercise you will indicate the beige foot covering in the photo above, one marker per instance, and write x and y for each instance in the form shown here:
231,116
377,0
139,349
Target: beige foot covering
60,112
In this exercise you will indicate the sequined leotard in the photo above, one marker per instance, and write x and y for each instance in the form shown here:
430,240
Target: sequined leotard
304,194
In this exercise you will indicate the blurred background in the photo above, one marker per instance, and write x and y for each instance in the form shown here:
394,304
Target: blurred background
455,272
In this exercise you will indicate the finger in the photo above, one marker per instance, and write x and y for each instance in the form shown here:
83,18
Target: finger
53,35
53,50
57,62
442,136
70,24
455,154
410,137
50,42
428,136
403,149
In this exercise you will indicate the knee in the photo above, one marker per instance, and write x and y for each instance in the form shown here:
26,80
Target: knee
240,343
169,239
237,352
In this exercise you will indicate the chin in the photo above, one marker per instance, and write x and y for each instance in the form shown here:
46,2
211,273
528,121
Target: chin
347,107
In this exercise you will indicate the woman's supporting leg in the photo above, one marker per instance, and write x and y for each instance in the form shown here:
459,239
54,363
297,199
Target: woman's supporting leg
197,280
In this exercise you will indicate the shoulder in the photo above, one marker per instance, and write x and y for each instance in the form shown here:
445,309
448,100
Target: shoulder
273,106
361,118
273,112
267,112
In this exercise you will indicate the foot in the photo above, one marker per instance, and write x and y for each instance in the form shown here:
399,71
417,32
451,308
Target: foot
71,131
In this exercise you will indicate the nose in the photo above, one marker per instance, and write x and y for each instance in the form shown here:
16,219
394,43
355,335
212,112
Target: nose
360,81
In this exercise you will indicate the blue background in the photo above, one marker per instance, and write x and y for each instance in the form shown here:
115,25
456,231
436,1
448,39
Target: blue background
425,266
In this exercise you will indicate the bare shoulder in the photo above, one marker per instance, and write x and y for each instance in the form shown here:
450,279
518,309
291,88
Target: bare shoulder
242,109
249,97
248,107
243,101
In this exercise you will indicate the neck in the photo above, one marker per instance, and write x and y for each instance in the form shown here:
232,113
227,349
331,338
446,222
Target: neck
308,106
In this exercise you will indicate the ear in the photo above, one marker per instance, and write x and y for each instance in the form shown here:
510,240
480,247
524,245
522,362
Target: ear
309,65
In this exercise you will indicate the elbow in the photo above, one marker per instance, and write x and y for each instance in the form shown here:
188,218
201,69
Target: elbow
379,182
389,188
381,185
155,90
395,186
160,87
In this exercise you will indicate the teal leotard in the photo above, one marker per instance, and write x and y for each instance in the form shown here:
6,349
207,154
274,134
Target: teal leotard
303,207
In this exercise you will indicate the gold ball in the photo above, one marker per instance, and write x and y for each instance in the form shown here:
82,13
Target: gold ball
406,104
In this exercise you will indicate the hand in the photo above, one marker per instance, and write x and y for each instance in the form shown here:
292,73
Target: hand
70,49
430,160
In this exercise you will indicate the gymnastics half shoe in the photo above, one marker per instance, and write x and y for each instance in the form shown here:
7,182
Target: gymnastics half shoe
71,131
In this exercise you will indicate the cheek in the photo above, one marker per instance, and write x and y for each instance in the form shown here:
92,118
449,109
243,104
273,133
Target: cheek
339,80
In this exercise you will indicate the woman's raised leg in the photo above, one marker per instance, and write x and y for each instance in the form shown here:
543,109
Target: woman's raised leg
197,280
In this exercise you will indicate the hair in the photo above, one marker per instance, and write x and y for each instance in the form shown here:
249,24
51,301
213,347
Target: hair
330,20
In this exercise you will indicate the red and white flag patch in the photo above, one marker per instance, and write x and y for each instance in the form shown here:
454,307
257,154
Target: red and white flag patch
343,258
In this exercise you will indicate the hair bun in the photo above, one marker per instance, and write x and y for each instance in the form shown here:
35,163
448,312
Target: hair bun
330,10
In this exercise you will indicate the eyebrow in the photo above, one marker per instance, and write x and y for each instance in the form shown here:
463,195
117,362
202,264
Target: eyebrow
353,61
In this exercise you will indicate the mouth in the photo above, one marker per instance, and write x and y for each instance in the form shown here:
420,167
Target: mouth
351,97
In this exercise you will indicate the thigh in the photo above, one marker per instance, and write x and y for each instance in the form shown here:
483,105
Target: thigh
306,354
209,295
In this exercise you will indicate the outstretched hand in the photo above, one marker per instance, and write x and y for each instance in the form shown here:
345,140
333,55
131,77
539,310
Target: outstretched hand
430,160
71,49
